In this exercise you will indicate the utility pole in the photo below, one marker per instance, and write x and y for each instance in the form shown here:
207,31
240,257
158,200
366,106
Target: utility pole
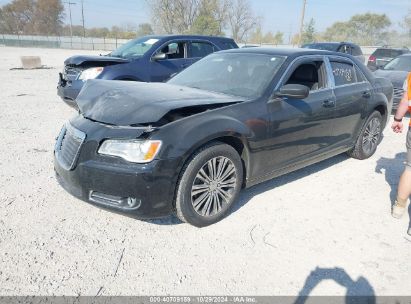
290,33
302,22
71,21
82,17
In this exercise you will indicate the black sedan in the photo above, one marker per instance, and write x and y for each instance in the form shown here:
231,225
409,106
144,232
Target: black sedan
234,119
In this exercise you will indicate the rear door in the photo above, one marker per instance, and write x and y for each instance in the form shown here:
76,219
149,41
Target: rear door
352,91
176,60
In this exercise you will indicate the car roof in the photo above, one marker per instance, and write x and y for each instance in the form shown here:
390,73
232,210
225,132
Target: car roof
290,52
395,49
332,43
173,36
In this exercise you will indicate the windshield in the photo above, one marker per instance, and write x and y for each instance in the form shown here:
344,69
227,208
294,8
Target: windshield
246,75
399,64
134,48
322,46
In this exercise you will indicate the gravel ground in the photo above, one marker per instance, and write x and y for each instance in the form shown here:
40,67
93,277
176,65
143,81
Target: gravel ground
323,230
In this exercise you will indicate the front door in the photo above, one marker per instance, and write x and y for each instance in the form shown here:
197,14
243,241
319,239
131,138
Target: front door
175,61
300,129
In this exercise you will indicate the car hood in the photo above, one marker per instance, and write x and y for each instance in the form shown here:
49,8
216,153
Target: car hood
81,59
397,77
124,103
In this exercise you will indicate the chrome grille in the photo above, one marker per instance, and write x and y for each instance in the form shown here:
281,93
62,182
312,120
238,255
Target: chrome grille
68,146
398,92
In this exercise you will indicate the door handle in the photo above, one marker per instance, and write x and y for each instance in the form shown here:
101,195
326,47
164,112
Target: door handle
328,103
185,65
366,94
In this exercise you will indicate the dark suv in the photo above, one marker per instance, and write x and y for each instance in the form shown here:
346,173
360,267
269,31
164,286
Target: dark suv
341,47
147,59
382,56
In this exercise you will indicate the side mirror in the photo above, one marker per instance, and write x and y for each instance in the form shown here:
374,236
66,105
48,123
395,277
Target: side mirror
159,56
293,91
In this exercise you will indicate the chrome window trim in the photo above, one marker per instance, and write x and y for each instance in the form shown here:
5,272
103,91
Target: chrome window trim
303,58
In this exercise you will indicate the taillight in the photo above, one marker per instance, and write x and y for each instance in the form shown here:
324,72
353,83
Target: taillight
372,59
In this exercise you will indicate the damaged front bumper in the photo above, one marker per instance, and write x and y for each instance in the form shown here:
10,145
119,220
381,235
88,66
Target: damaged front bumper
69,90
140,190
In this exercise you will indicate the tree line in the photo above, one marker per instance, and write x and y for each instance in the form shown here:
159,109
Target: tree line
32,17
363,29
234,18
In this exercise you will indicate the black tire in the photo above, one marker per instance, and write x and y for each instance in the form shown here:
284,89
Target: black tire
225,159
369,138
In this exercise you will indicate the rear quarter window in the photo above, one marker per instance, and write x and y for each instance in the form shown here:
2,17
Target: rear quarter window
360,75
229,45
356,51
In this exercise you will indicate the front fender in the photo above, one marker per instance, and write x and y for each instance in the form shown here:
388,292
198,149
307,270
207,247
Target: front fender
185,136
182,138
126,71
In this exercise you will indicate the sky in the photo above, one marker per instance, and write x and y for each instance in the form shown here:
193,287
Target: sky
277,15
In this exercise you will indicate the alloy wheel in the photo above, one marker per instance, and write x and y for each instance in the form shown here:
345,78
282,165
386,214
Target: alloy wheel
371,135
213,187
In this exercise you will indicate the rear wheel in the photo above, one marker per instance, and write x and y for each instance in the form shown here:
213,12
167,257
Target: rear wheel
369,137
209,185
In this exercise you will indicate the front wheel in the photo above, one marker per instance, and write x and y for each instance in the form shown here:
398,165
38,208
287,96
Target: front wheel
369,137
209,185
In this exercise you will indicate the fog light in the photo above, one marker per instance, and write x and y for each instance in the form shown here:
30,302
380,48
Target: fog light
125,203
132,202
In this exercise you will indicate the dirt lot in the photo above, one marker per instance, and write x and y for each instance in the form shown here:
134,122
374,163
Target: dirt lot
333,215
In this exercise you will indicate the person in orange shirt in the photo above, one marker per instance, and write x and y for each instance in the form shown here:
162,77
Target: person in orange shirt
404,186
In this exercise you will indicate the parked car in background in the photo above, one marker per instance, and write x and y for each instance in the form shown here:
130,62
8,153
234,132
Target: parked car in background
381,56
147,59
396,71
232,120
341,47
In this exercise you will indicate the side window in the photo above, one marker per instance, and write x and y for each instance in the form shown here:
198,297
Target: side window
230,45
356,51
174,50
343,72
345,49
201,49
309,73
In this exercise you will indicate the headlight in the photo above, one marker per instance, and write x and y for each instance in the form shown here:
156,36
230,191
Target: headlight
90,73
136,151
